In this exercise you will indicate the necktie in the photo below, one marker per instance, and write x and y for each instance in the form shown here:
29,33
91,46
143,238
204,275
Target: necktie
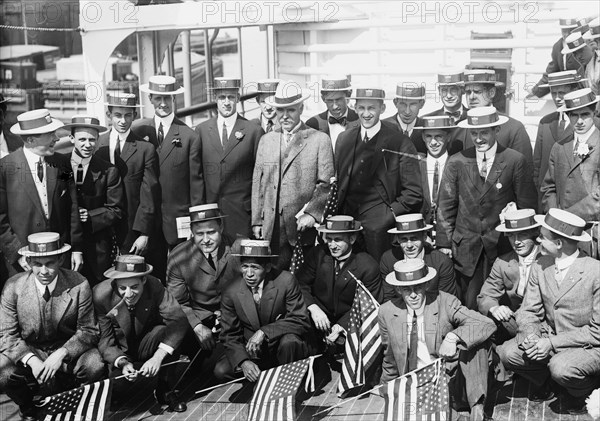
341,121
557,275
366,138
224,135
79,177
483,172
40,169
405,132
414,340
269,126
211,262
454,116
338,267
436,182
118,150
46,294
255,295
161,134
576,147
132,337
562,124
288,138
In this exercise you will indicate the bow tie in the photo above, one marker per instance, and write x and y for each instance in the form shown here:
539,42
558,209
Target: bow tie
455,115
341,121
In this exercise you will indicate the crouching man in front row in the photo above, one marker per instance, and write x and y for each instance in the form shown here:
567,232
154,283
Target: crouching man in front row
142,324
419,327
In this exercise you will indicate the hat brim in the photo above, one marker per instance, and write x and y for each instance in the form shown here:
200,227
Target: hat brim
427,227
482,82
588,37
24,251
461,84
274,104
254,256
502,228
108,104
391,279
100,129
146,88
585,237
564,107
356,98
48,128
567,50
465,123
112,273
434,128
418,98
547,85
209,219
323,229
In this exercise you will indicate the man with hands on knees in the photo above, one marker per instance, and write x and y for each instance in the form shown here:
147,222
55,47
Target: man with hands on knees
264,317
140,323
419,326
48,332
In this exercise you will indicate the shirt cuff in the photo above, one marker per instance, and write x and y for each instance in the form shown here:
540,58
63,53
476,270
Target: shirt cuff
169,350
77,252
119,359
26,358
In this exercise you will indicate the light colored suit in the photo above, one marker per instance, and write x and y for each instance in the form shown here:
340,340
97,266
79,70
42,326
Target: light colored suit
569,315
288,178
571,183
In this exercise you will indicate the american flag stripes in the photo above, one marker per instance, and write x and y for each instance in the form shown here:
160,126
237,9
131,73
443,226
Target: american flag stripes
274,396
363,340
297,255
331,204
419,395
86,403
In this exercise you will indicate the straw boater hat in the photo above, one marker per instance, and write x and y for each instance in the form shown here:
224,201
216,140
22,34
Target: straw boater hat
566,77
412,222
574,42
226,83
564,224
287,94
481,76
335,83
436,122
410,91
451,79
121,99
162,85
594,30
567,23
267,86
482,117
363,93
202,213
410,272
35,122
85,121
579,99
340,224
128,266
44,244
254,248
518,220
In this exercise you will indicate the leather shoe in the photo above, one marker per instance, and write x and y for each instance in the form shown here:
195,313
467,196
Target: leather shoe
28,413
542,394
171,399
567,404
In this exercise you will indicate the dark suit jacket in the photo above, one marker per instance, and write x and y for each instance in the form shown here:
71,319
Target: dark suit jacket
469,208
570,311
556,65
416,137
282,311
445,280
396,177
72,316
21,211
195,284
179,169
458,136
443,314
571,183
138,167
155,307
103,196
500,288
259,121
13,141
227,171
335,295
319,122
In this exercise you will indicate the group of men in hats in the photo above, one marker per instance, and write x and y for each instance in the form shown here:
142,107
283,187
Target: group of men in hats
444,185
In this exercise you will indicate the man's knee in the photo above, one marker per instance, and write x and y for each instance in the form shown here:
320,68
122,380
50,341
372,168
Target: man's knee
510,354
7,370
90,366
291,348
563,370
223,370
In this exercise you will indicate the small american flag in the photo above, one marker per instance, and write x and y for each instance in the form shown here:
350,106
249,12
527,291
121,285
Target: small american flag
86,403
274,396
419,395
363,341
331,204
297,255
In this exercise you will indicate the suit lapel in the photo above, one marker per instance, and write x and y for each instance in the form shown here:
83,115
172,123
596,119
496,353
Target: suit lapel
232,140
202,262
121,314
52,173
343,278
214,136
472,170
31,314
425,182
29,184
430,322
269,295
247,303
495,172
221,262
296,145
551,281
129,148
168,145
142,311
573,276
63,298
323,123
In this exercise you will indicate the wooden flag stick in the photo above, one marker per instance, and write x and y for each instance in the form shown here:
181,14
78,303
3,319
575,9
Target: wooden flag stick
365,288
347,400
410,155
179,361
197,392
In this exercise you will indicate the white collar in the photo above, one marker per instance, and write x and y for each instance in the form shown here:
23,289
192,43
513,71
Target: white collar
530,258
371,132
42,288
213,254
79,160
408,127
460,110
441,159
418,312
345,115
342,259
294,130
122,136
32,157
229,121
583,137
489,154
259,287
166,121
565,262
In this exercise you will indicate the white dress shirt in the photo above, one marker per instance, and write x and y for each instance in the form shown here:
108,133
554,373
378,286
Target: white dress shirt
592,72
167,122
525,264
40,186
561,266
371,132
287,136
423,355
431,169
76,160
3,145
581,138
259,289
489,158
336,129
112,143
229,123
406,127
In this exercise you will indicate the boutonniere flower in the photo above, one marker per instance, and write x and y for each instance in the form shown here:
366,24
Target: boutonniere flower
176,142
583,150
498,186
239,135
147,138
